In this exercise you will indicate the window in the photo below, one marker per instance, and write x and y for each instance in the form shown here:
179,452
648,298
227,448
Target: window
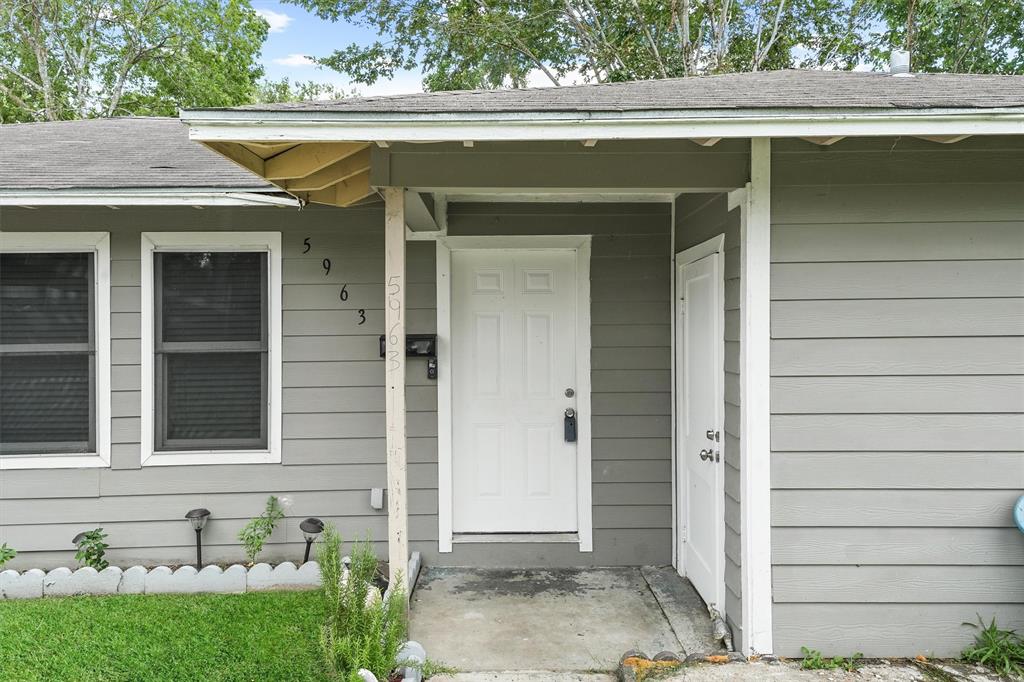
212,309
54,350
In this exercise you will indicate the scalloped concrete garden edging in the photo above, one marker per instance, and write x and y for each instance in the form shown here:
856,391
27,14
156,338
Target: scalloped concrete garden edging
63,582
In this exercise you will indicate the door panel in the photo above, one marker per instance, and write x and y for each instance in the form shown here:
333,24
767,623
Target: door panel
513,357
699,392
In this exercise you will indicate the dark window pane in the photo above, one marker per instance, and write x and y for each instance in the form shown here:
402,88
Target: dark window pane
44,403
214,396
44,297
212,296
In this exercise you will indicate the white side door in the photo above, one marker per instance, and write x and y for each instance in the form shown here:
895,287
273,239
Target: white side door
699,392
513,363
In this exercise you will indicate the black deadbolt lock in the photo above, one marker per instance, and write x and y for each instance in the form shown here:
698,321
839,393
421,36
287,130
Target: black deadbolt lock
570,425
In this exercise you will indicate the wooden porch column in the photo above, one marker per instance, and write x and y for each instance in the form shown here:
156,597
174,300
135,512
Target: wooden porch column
394,381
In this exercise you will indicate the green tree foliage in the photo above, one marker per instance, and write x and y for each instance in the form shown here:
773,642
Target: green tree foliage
64,59
285,90
500,43
956,36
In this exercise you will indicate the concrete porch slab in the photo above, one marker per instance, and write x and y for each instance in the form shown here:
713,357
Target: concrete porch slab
686,612
565,620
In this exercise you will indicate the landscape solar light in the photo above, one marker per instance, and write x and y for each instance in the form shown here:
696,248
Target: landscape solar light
311,528
77,542
198,519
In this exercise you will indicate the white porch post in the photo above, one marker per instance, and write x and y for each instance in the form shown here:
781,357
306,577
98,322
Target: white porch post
755,377
394,380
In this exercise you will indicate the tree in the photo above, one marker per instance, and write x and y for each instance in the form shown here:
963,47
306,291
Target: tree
961,36
286,91
62,59
494,43
502,43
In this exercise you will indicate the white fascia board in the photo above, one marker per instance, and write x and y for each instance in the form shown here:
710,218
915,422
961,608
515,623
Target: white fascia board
317,126
128,198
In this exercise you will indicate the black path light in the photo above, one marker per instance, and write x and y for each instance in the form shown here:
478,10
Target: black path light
311,528
198,519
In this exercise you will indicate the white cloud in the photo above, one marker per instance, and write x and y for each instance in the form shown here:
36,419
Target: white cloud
278,20
294,59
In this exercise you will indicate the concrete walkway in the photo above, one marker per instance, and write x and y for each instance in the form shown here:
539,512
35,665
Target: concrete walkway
556,621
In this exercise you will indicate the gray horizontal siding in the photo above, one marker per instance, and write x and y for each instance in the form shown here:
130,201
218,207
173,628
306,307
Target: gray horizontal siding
333,398
897,393
333,402
631,382
700,217
929,628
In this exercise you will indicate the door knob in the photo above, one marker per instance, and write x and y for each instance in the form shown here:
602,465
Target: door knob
708,456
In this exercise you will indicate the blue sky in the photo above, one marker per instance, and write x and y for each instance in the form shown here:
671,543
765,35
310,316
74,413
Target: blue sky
295,34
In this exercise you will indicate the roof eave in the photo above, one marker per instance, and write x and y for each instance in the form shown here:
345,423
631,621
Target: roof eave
302,126
145,197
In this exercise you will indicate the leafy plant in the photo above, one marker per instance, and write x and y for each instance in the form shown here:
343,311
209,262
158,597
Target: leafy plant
1001,650
431,668
256,532
813,660
92,548
6,554
360,630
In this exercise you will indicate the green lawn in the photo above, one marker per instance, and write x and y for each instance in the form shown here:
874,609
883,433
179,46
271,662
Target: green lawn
266,636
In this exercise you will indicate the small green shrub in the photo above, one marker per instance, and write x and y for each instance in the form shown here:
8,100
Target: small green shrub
92,548
6,554
256,532
813,660
1001,650
357,632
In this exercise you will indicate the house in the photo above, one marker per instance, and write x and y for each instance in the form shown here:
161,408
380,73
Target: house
765,327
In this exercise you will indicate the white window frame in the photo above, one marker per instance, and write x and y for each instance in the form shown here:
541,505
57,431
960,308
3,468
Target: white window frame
98,244
266,242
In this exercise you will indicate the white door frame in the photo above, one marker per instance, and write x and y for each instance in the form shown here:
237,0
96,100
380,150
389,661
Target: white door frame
712,247
445,489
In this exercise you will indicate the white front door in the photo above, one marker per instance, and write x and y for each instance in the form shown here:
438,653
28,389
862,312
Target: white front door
699,381
513,378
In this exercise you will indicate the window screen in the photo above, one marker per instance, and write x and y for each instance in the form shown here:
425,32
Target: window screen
211,350
47,353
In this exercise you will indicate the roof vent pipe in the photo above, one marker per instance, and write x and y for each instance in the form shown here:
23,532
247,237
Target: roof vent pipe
899,63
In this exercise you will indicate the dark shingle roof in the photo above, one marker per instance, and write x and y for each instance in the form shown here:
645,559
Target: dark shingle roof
122,153
762,90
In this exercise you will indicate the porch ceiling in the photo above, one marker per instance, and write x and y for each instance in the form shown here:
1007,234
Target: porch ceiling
332,173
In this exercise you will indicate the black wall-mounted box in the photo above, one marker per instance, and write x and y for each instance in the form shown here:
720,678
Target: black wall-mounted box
416,345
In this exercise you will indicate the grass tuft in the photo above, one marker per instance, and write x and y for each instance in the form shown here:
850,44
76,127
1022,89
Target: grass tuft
813,660
1001,650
